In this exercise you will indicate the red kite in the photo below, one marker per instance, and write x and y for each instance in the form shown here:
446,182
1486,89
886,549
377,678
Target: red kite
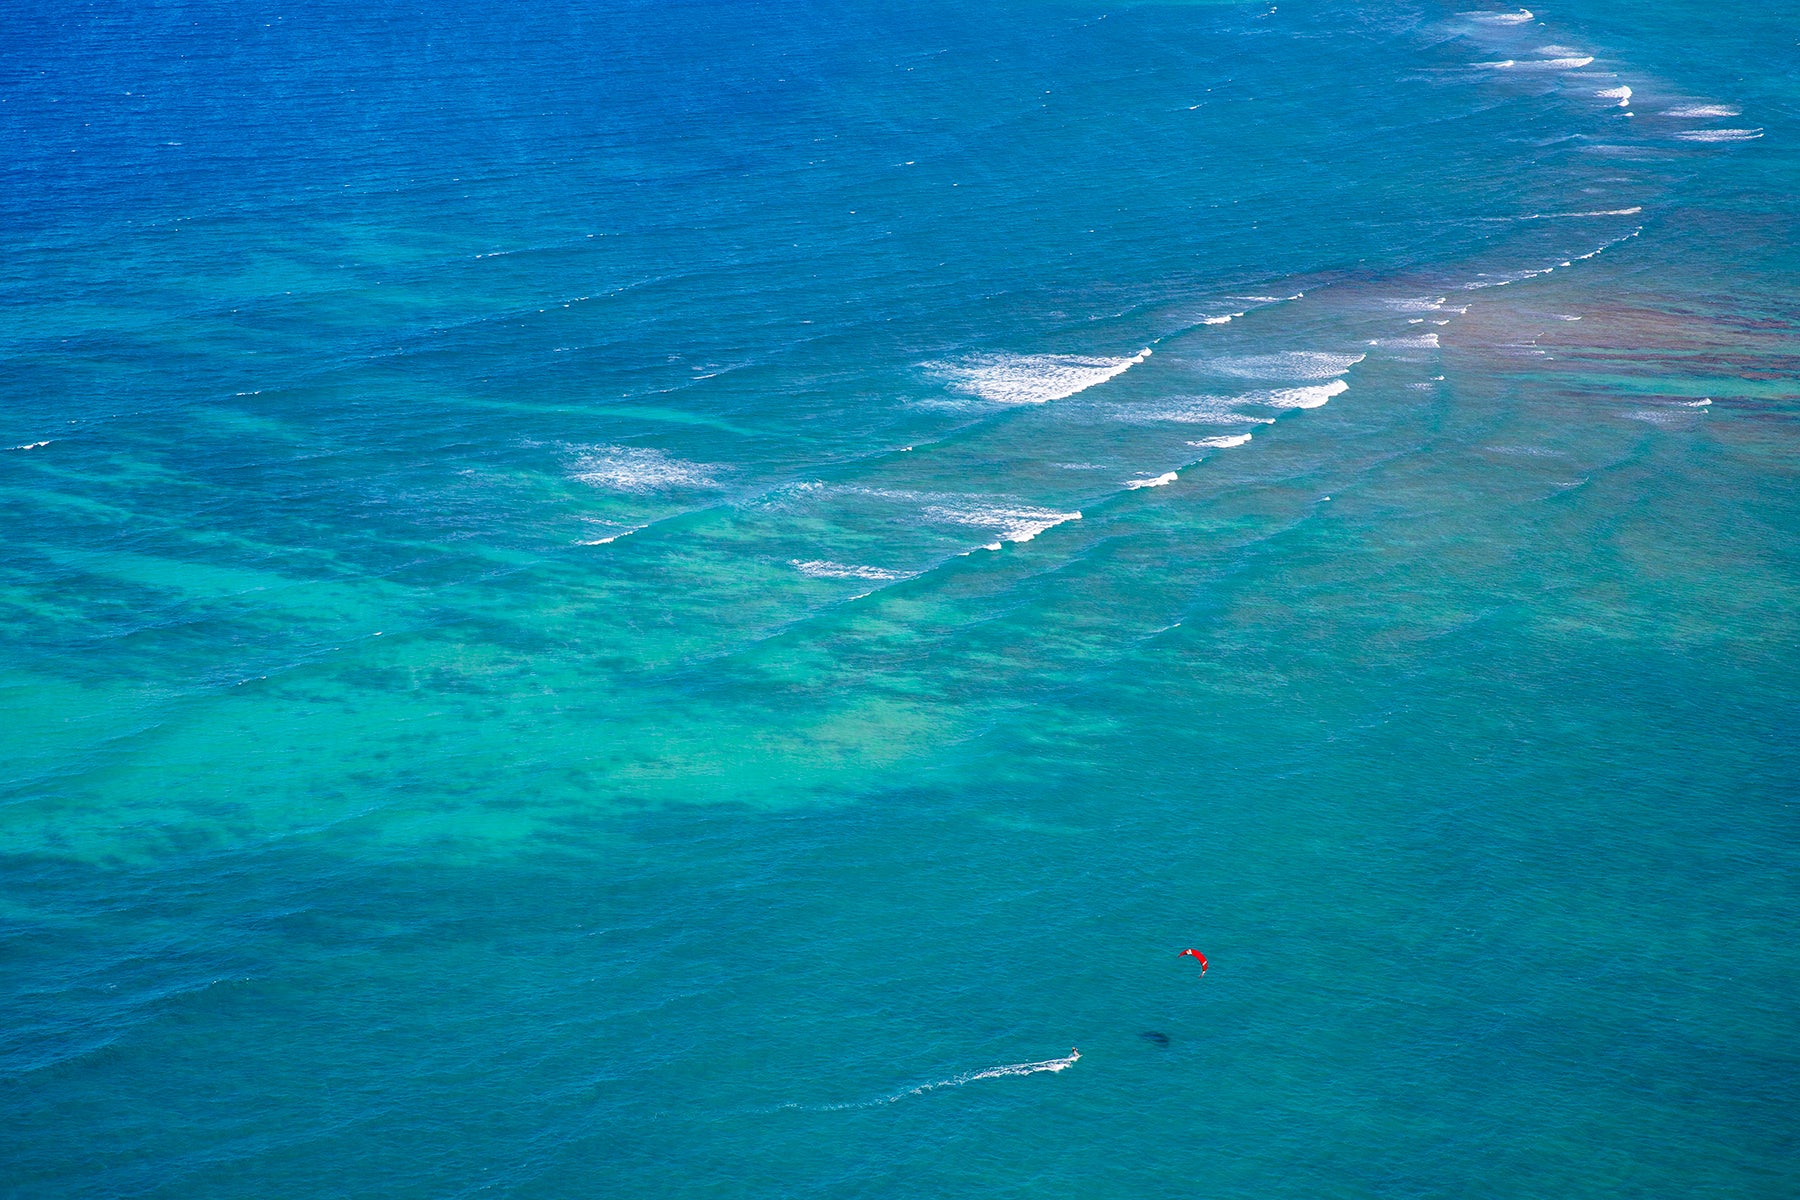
1196,954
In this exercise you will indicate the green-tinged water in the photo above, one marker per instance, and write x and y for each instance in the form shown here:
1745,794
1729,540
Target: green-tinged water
609,600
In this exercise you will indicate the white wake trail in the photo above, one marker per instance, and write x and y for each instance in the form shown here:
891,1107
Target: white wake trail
954,1081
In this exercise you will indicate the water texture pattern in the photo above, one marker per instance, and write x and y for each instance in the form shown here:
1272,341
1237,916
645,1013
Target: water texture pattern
609,599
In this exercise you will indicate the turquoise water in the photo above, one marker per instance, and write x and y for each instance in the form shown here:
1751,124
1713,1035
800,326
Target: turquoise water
637,600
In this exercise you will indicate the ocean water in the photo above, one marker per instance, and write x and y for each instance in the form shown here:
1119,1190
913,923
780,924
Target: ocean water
620,599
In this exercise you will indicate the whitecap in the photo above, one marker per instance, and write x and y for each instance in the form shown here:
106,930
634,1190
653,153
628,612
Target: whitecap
1622,94
1704,110
1147,481
1193,410
824,569
639,469
1030,378
1300,397
610,538
1488,280
1565,216
1013,523
29,446
1526,451
1223,441
1500,18
1289,364
1538,64
1719,135
1662,418
1415,304
1422,341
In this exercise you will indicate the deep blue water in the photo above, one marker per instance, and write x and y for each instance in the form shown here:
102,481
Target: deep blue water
610,599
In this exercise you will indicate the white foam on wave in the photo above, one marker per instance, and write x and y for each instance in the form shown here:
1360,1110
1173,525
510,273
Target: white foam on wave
1704,110
824,569
610,538
1526,451
794,489
1030,378
1422,341
1147,481
1491,280
29,446
1289,364
1538,64
1193,410
1633,211
1719,135
1602,248
1223,441
1415,304
1012,523
1663,418
1500,18
639,469
1621,93
1300,397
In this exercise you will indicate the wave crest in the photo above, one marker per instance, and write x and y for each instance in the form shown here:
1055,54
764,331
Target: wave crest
1030,378
639,469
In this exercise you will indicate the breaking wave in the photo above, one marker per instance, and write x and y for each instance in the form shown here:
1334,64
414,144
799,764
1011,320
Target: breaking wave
1500,18
823,569
1300,397
639,469
1296,365
1010,523
1163,480
1030,378
1719,135
1539,64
